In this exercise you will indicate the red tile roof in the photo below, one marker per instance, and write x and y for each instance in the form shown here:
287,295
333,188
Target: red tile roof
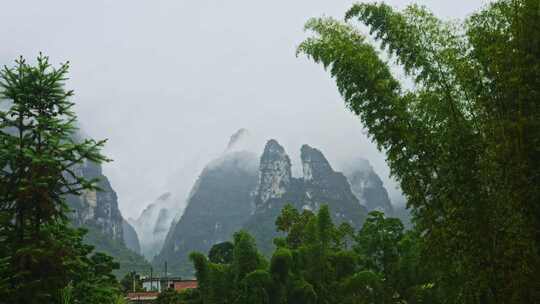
183,285
151,295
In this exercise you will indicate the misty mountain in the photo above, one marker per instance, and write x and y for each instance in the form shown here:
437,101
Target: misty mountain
241,191
154,223
367,186
97,211
218,205
130,237
319,185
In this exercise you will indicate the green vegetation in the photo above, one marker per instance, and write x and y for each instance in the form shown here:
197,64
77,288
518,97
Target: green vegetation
221,253
463,141
43,259
126,259
131,282
318,262
170,296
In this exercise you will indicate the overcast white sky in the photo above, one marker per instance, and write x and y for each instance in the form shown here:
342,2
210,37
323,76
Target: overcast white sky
168,81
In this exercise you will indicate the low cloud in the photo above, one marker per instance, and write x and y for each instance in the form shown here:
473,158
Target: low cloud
168,82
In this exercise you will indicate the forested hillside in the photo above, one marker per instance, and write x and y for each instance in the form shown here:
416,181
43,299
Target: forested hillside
238,191
97,211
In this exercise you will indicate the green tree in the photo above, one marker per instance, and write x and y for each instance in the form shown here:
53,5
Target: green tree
325,226
343,236
254,288
131,282
462,141
96,284
169,296
364,287
200,263
190,296
216,282
386,250
246,257
293,223
287,218
378,241
281,264
301,292
380,265
221,253
38,161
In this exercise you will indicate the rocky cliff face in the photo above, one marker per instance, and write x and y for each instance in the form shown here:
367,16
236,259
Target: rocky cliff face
323,185
130,237
368,187
239,191
158,217
274,173
98,212
97,209
319,185
218,205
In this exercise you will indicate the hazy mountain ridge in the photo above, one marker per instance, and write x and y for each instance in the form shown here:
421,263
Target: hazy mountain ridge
219,203
154,223
96,208
319,185
130,237
97,211
241,191
368,187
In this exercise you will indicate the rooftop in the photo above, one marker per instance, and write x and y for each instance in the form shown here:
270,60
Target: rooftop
151,295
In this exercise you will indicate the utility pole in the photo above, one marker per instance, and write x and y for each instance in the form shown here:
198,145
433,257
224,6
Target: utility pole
151,278
165,279
166,270
133,280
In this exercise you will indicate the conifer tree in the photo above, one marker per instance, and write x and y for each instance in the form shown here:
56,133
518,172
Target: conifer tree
38,159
